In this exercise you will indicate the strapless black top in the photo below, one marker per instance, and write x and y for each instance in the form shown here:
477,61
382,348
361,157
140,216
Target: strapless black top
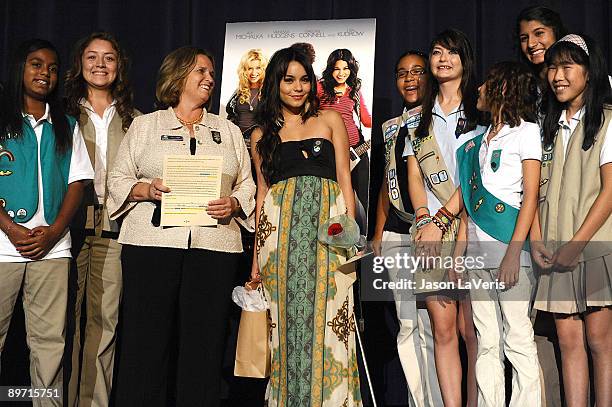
313,156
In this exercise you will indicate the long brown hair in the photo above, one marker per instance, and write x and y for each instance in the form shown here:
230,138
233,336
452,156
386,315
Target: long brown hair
121,90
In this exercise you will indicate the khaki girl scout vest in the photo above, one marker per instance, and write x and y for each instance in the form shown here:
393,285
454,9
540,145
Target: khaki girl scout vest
568,187
89,220
391,129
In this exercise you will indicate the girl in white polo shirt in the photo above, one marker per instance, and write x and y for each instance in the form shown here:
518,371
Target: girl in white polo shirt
500,173
43,169
572,236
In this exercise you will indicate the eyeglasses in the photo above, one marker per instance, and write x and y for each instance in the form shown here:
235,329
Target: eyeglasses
402,74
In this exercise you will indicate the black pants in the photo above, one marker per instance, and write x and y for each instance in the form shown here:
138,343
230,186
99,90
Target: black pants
173,325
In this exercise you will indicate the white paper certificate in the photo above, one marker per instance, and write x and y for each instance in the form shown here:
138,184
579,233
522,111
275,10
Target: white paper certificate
194,180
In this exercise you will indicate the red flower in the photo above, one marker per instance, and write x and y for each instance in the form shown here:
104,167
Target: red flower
334,229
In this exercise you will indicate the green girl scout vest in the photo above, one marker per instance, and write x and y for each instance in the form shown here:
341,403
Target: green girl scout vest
496,217
569,186
19,173
391,129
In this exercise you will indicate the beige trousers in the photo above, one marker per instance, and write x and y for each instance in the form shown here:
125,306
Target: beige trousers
99,282
45,296
415,344
503,326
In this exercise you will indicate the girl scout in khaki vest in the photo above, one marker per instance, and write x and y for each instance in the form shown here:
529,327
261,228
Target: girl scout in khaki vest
571,239
448,120
394,217
99,95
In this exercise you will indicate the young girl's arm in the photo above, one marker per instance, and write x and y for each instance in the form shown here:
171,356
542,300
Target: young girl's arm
41,239
509,267
14,231
540,254
566,257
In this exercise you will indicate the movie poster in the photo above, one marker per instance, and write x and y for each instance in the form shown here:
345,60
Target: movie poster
350,46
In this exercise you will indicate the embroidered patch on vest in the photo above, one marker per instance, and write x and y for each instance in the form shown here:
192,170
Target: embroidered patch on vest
500,207
495,160
2,202
21,213
478,204
10,157
469,146
390,130
440,177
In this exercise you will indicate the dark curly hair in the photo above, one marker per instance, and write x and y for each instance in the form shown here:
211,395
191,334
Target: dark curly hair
121,90
13,99
511,92
269,115
328,82
596,94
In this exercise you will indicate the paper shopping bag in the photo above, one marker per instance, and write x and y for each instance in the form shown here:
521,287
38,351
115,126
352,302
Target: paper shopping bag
253,347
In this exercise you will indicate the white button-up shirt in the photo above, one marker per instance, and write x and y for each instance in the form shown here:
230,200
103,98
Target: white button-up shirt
504,180
101,125
444,127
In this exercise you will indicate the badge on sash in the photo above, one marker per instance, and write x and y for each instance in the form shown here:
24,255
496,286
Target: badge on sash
495,160
216,136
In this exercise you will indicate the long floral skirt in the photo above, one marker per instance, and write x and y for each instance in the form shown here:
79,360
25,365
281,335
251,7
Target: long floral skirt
314,362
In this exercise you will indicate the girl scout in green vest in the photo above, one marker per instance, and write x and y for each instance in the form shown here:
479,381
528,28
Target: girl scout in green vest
98,93
449,118
499,178
43,166
571,239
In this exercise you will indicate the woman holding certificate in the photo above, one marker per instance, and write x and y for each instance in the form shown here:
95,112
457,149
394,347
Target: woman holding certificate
177,281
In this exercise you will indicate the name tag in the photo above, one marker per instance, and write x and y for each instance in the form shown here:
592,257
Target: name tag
166,137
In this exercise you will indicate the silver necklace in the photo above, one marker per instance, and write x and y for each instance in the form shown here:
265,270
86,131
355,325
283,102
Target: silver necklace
252,99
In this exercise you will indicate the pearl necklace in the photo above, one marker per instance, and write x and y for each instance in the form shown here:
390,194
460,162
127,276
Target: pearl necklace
189,123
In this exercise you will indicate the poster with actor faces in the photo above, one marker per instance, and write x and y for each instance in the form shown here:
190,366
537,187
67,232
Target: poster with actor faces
342,56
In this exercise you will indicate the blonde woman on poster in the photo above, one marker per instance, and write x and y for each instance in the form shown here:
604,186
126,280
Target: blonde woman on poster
303,179
241,107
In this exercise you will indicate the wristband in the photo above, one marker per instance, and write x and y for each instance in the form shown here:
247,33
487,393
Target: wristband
421,207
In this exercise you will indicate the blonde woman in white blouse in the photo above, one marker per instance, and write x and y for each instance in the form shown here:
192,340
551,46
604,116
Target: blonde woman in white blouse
178,280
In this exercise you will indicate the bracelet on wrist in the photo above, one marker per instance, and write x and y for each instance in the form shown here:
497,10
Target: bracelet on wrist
442,226
423,221
422,207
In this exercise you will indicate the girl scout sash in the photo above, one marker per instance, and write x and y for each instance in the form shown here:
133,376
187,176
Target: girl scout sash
496,217
435,172
436,176
391,129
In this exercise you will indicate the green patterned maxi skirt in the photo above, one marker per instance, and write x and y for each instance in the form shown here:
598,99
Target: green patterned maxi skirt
314,362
